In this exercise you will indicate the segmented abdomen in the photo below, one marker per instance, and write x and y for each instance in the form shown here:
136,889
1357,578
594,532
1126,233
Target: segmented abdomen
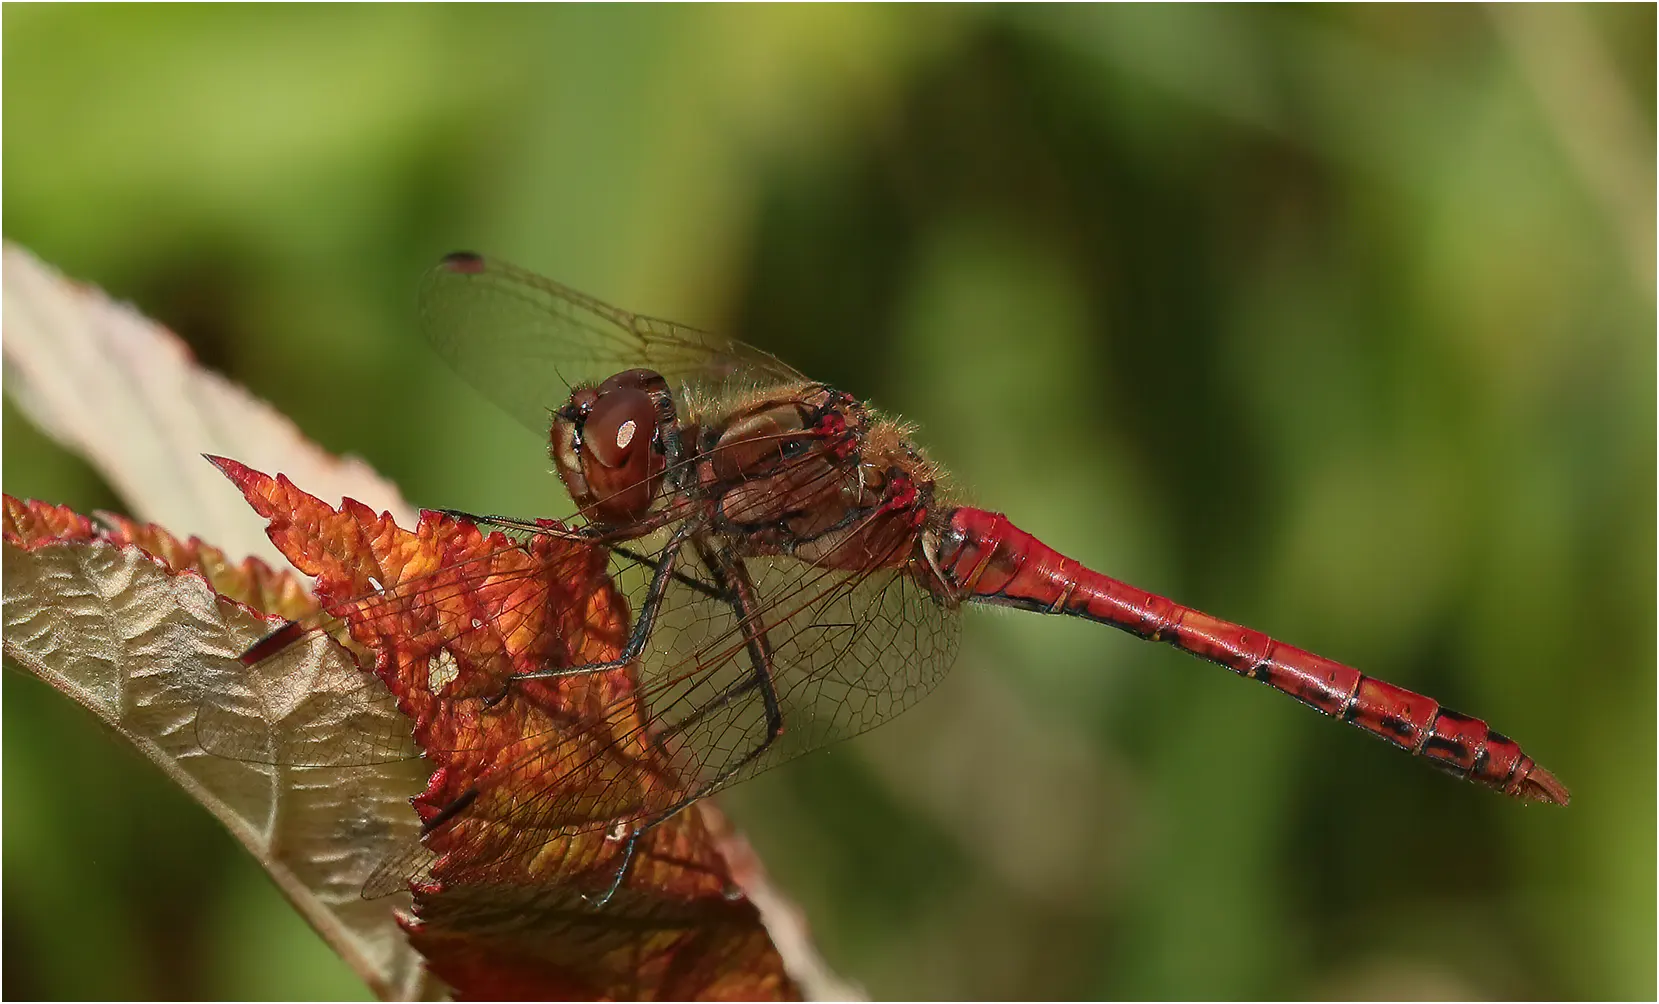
987,558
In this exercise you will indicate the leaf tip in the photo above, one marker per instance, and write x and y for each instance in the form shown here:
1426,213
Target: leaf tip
228,467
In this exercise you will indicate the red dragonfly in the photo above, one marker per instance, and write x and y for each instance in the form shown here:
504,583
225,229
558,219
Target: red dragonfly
793,564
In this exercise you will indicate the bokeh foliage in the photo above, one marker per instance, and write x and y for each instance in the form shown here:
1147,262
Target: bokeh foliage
1336,321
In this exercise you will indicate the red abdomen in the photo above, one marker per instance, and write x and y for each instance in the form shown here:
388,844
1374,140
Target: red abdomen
987,558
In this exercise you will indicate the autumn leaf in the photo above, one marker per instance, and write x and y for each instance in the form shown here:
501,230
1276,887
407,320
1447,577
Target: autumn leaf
503,904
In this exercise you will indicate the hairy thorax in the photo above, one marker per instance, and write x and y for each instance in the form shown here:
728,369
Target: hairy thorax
811,472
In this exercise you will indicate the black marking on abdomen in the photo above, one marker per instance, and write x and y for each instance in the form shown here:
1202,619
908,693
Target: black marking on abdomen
1440,748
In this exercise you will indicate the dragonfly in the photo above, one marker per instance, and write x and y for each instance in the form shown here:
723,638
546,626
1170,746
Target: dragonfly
794,565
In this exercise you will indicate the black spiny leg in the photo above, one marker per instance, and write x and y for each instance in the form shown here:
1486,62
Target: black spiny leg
532,527
643,623
732,580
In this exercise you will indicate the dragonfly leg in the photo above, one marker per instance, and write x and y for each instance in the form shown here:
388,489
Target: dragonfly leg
697,585
513,523
533,527
734,580
643,623
596,902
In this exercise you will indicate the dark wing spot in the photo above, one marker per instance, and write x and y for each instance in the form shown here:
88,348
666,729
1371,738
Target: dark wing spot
464,262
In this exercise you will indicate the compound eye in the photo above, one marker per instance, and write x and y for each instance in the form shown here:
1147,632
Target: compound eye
620,427
621,466
635,379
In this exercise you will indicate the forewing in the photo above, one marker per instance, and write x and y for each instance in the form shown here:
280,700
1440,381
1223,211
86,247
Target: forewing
524,341
847,651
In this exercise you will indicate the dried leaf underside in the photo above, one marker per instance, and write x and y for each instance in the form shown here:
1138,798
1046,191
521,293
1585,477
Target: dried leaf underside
141,628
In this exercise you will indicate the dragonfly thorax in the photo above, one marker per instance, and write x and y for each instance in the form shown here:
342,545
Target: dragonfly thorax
782,454
810,472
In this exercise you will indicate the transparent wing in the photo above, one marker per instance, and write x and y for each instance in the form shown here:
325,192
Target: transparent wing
834,652
524,341
848,651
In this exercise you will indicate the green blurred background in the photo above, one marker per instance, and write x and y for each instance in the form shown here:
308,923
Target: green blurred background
1335,321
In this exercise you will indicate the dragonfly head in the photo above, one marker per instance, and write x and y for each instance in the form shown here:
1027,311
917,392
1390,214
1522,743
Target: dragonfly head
610,445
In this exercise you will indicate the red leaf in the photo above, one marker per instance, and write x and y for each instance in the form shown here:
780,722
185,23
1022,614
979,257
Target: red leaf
30,524
449,616
252,583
